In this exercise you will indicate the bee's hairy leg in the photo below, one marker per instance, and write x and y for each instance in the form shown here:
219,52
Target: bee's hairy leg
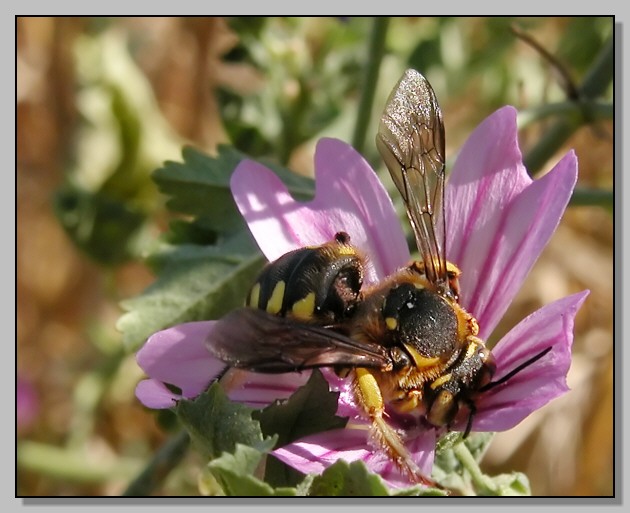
369,396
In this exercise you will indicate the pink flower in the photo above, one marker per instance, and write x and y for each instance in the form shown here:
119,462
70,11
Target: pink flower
499,220
27,404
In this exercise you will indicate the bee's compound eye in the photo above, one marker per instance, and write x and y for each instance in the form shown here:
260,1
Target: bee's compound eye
488,368
399,358
488,358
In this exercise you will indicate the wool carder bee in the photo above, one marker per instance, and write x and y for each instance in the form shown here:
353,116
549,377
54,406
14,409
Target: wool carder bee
406,343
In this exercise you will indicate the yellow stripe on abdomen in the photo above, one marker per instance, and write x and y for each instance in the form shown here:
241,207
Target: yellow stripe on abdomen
274,305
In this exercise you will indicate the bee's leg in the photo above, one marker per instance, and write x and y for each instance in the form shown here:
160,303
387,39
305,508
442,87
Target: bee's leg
471,415
368,395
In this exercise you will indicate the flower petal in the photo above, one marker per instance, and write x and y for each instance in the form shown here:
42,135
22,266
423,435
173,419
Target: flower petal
499,219
26,404
506,405
313,454
349,197
154,394
177,356
421,449
259,390
346,403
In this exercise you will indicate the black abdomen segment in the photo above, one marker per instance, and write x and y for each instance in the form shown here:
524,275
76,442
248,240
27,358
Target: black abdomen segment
319,283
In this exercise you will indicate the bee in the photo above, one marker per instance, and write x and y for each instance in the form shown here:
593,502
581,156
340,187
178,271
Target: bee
406,343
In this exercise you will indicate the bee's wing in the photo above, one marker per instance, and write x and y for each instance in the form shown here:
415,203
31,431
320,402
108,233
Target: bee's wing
411,142
252,339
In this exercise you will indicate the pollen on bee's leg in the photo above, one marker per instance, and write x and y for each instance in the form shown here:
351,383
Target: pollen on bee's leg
369,396
368,392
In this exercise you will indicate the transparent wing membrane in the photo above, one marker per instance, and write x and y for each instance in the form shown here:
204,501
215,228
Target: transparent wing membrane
411,142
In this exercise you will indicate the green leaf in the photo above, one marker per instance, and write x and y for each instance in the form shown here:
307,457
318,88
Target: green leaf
200,186
236,474
418,491
445,457
184,231
216,424
343,479
195,283
514,484
310,409
304,486
447,441
456,467
449,469
298,91
108,229
478,444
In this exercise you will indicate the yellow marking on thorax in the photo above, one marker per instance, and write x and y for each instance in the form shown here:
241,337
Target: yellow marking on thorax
391,323
440,381
254,296
421,361
274,305
346,250
470,350
304,308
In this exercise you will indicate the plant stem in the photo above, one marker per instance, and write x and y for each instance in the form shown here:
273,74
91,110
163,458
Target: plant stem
586,197
73,464
164,460
375,56
598,110
596,82
482,482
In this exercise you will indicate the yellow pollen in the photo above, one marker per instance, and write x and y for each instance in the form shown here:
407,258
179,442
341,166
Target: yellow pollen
369,391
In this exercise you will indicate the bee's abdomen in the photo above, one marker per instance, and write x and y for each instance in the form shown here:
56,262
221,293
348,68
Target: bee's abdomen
319,283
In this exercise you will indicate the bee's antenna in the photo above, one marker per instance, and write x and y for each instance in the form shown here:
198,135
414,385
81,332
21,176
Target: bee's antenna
515,371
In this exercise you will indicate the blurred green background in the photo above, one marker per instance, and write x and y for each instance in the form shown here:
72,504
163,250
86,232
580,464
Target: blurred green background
103,102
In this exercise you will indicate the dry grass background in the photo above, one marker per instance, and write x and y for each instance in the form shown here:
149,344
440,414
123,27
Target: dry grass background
566,448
